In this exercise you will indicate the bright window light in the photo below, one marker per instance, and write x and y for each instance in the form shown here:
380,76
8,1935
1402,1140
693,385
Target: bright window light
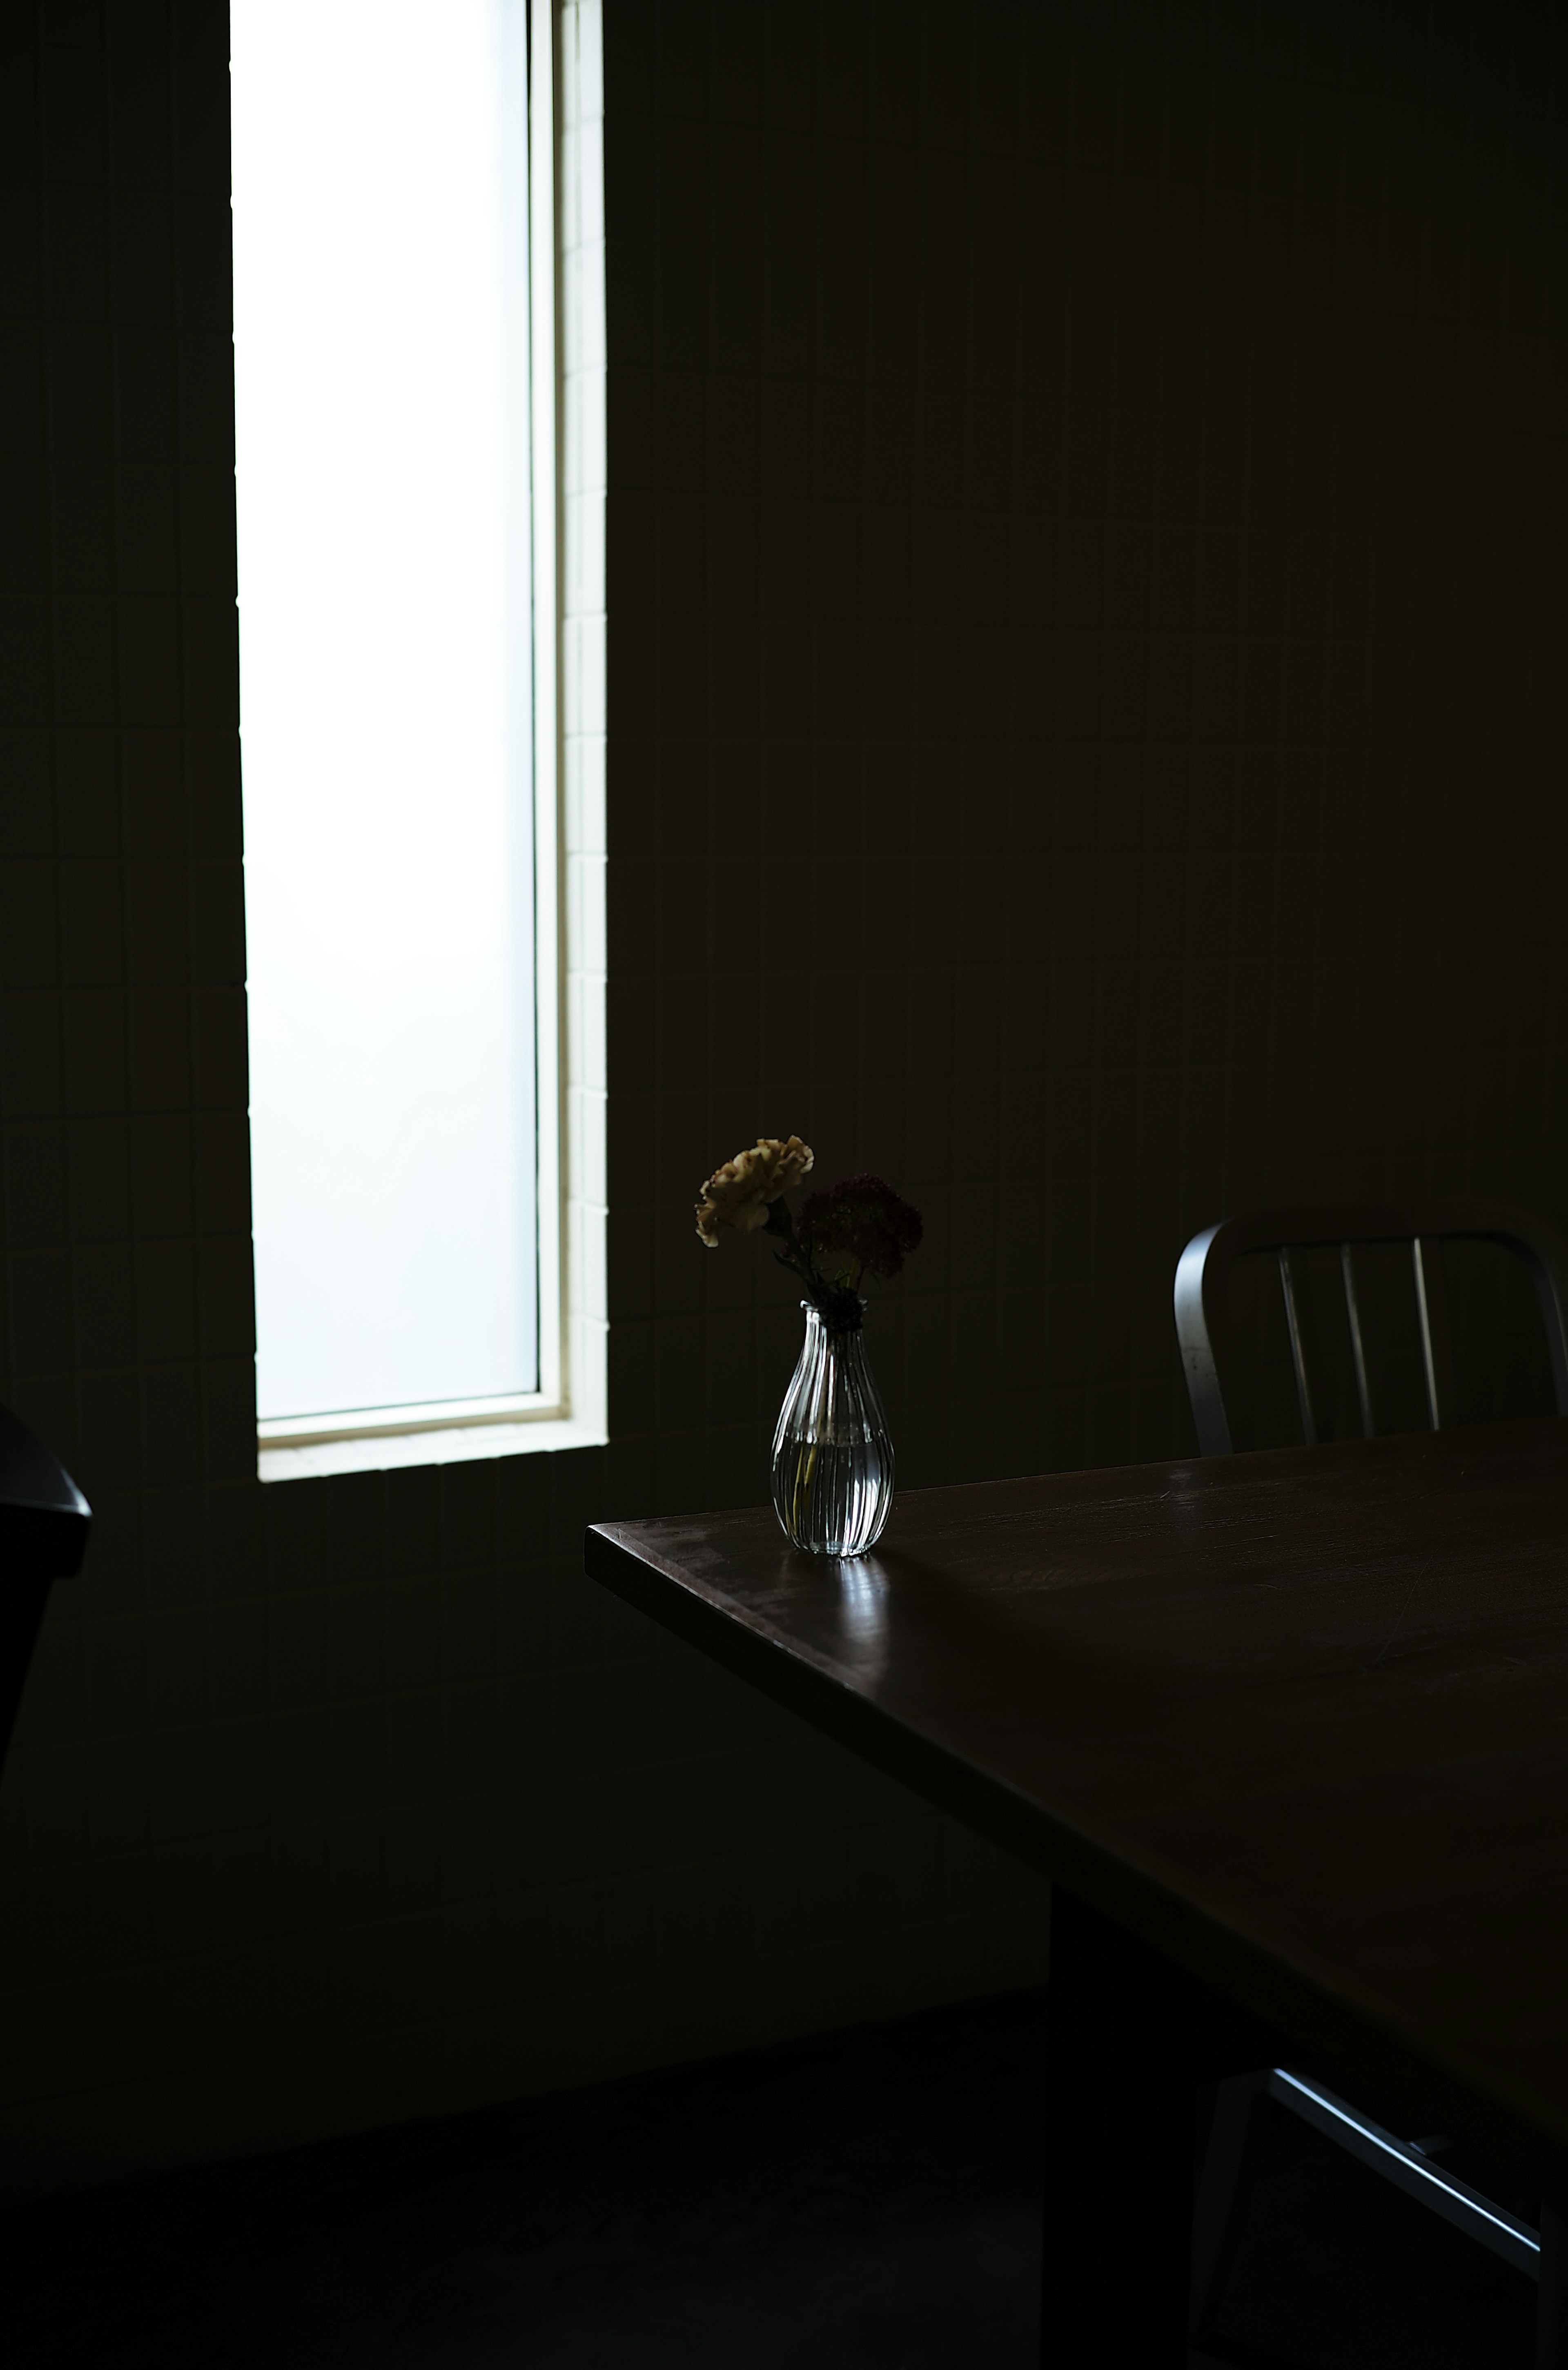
381,355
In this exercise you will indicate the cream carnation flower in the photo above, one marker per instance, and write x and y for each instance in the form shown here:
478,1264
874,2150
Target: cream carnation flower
739,1194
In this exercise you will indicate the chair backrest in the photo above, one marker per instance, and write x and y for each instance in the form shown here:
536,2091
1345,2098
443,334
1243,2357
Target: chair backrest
43,1537
1202,1295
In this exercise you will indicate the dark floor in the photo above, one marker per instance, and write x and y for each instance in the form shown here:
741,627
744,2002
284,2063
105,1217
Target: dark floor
867,2202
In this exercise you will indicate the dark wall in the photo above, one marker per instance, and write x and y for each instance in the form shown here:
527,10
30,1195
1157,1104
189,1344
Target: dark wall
332,1802
1085,665
1088,490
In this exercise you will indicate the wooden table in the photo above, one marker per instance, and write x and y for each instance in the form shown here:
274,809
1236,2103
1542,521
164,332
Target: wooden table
1290,1730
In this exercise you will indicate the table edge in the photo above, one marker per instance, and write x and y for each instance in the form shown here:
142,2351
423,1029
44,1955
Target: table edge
1368,2050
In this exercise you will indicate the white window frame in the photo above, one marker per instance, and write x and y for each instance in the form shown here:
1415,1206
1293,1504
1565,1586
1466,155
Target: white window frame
568,349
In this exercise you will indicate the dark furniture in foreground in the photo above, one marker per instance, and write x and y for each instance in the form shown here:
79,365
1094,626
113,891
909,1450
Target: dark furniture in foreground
1204,1270
43,1537
1289,1732
1204,1278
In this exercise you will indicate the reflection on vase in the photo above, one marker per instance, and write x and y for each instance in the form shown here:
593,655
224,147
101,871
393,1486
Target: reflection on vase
832,1457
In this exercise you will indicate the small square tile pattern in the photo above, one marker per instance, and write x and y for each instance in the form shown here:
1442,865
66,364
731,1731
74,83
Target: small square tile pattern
1085,494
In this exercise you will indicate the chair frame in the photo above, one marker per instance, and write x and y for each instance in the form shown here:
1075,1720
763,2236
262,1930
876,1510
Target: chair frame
1202,1283
1203,1327
44,1520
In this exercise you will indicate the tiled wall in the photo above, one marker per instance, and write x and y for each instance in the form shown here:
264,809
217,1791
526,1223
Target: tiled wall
332,1802
1085,494
1087,687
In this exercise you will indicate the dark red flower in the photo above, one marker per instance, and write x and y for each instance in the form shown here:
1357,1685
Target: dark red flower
861,1219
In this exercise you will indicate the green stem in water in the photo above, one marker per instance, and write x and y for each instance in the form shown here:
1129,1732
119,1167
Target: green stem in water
806,1474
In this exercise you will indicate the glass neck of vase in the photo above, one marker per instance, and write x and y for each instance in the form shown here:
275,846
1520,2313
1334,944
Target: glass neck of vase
838,1336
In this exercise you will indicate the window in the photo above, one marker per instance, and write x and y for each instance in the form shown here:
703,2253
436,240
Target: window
396,481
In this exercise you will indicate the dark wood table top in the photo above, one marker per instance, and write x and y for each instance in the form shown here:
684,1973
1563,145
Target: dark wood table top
1299,1719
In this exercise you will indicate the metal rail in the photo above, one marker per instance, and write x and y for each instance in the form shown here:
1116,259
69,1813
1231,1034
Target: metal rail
1403,2164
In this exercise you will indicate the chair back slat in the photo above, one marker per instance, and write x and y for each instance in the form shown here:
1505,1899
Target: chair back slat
1432,1310
1202,1315
1298,1353
1358,1345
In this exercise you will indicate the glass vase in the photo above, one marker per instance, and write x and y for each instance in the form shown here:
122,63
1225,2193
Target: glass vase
832,1457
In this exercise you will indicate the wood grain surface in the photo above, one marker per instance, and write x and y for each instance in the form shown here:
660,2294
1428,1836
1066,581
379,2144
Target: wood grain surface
1299,1719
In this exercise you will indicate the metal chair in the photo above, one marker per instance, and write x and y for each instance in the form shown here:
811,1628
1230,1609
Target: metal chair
1203,1291
1204,1277
43,1537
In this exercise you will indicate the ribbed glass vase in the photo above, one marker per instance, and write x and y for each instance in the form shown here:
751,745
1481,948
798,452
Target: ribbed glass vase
832,1457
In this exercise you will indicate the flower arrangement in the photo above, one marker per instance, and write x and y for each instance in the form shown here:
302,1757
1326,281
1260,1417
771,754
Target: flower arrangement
857,1228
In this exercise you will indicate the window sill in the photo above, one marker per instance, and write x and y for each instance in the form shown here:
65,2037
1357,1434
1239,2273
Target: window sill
448,1445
